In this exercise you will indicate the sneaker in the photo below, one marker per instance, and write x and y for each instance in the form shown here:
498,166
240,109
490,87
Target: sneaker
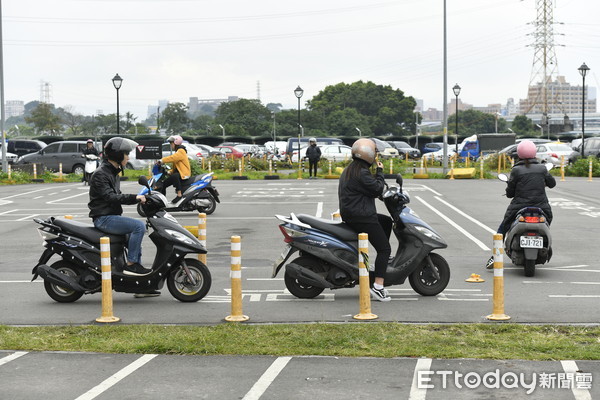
154,293
136,270
176,199
380,294
490,263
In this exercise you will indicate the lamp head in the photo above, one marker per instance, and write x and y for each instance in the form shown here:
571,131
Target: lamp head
456,90
583,69
298,92
117,81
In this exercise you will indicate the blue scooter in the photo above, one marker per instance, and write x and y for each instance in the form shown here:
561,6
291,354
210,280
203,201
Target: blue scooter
198,192
329,252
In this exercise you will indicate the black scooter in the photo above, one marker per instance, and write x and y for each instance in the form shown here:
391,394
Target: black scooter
528,241
78,271
329,252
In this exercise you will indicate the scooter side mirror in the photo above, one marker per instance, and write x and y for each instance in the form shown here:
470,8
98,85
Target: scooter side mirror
144,181
399,181
503,177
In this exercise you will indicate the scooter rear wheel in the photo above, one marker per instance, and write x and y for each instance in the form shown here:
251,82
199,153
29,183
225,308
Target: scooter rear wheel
59,293
182,288
299,289
424,282
529,268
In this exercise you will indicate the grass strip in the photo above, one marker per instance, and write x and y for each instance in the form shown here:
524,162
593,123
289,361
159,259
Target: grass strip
486,341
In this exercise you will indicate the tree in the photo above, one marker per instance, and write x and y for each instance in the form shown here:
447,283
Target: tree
175,118
472,122
244,117
387,110
44,120
522,125
73,121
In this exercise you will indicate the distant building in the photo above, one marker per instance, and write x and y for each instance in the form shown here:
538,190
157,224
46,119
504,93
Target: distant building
207,106
14,108
433,114
152,110
562,98
461,106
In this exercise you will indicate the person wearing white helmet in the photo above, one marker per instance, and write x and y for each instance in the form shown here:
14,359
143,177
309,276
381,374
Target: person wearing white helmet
526,187
181,165
313,153
106,200
357,191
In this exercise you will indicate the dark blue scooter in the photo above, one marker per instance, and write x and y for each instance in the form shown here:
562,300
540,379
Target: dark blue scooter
198,192
329,252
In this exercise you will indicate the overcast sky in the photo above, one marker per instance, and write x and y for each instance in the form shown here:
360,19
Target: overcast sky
176,49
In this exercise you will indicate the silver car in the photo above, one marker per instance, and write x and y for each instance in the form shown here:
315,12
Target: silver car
553,152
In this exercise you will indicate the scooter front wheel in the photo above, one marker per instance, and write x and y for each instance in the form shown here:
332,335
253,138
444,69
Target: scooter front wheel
211,208
183,288
140,210
423,280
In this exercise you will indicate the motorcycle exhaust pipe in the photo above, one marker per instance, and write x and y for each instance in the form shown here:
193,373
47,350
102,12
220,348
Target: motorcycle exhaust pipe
306,276
53,276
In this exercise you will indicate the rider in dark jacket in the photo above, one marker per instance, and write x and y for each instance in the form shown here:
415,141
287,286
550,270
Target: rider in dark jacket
313,153
357,191
526,187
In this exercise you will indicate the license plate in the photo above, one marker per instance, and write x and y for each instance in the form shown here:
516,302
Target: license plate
280,260
533,242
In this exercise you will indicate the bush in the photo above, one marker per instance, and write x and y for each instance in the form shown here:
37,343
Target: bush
581,167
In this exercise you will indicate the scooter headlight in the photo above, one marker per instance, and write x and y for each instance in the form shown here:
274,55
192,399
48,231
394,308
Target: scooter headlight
179,236
428,232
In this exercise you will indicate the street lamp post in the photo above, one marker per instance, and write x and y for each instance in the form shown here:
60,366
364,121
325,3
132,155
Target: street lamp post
298,93
583,71
221,126
117,82
541,129
158,120
456,90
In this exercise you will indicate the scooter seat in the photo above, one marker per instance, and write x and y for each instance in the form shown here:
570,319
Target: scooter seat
85,231
336,228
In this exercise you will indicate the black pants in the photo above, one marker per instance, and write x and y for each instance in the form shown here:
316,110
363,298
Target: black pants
379,236
175,180
312,164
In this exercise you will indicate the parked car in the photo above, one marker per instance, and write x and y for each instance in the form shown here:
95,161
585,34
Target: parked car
552,153
336,152
511,151
591,147
20,147
248,149
294,153
431,147
230,151
211,151
439,154
276,149
385,149
68,152
405,148
11,158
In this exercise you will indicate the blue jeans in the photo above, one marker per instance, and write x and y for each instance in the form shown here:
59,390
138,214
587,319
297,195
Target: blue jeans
118,225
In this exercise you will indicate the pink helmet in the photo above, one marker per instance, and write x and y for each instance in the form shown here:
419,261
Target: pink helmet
175,139
526,149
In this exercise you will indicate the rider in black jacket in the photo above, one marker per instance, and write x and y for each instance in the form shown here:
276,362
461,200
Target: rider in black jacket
106,199
357,192
526,187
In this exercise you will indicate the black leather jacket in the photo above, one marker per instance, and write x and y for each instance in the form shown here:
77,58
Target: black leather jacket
105,192
357,194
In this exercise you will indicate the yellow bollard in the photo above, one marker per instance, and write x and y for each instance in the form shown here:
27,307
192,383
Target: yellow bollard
481,168
107,302
562,168
299,167
149,170
498,296
590,170
34,171
236,282
499,162
9,172
270,167
60,173
451,168
209,166
363,279
330,165
392,165
240,165
202,235
406,158
336,217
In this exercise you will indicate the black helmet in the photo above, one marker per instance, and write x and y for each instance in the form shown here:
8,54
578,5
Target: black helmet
116,148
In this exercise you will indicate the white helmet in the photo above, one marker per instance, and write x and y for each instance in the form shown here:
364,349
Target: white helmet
312,139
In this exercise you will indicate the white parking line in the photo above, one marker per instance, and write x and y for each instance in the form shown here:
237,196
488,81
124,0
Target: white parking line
27,217
570,367
416,393
66,198
487,228
114,379
11,357
319,212
575,296
454,224
267,378
9,211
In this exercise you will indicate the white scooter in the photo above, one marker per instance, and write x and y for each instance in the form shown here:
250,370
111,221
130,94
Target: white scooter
91,163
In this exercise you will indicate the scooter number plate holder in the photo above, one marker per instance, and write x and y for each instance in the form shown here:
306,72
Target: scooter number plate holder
532,242
281,258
